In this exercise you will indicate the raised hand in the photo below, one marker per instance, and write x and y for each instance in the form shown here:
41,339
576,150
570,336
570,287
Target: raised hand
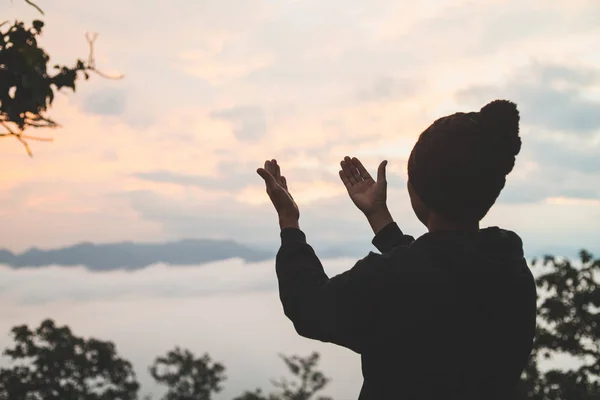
278,192
367,194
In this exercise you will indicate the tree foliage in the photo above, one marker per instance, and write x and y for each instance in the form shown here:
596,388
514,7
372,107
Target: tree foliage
568,325
188,377
308,381
27,88
50,363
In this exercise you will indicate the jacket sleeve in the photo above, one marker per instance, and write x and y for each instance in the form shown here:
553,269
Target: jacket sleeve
341,309
391,237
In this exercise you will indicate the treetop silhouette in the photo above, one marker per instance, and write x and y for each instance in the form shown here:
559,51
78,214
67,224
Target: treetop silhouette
27,88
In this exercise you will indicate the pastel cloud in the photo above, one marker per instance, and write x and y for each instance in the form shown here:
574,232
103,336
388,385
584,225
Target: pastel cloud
214,88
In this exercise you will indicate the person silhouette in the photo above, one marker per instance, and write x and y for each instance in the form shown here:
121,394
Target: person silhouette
450,315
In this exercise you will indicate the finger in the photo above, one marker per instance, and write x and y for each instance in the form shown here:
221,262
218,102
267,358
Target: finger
348,172
345,180
381,172
361,169
276,171
266,175
270,168
353,170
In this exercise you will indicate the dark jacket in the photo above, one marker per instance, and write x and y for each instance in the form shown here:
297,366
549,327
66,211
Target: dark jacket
448,316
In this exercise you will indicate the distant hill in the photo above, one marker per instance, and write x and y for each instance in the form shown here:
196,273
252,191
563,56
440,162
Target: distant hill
132,256
189,252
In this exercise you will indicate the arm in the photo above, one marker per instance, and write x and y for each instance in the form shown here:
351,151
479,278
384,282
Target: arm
379,219
341,309
370,197
389,237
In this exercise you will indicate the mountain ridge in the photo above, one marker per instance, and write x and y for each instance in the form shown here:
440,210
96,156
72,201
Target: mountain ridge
131,255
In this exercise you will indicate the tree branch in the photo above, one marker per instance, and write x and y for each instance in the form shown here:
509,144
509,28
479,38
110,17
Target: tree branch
22,138
91,38
35,6
21,114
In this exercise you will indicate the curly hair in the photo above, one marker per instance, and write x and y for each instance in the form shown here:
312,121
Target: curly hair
458,167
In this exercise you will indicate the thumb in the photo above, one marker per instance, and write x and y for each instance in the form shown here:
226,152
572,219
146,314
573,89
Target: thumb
381,172
266,175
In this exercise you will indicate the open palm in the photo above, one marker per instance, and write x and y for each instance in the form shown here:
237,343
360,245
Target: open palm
366,193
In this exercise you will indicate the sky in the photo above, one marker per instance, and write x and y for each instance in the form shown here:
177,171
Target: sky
212,88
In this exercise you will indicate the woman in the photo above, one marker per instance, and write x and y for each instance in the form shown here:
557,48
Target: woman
450,315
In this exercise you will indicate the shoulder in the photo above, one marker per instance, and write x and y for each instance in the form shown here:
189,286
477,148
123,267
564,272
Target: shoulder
401,260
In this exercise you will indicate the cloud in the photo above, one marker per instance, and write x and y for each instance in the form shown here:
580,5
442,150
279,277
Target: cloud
235,176
62,284
552,97
326,221
334,221
241,210
548,181
387,88
550,227
249,122
170,151
107,102
219,68
162,176
580,156
451,32
34,219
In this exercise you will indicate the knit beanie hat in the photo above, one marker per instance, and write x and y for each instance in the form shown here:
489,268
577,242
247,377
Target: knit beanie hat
459,164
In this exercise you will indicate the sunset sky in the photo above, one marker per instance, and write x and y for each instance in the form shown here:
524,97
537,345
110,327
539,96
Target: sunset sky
214,87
